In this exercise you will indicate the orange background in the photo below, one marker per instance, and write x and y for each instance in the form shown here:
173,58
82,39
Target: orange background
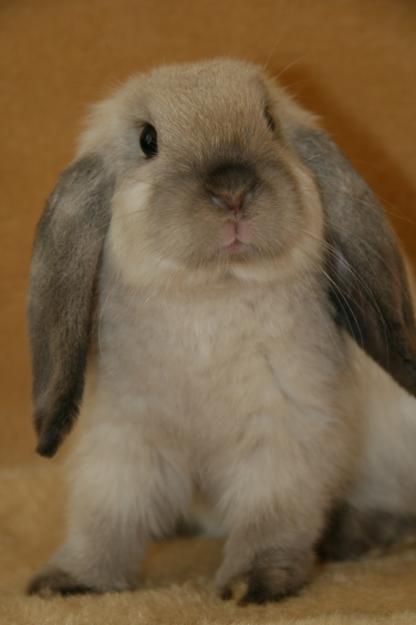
352,61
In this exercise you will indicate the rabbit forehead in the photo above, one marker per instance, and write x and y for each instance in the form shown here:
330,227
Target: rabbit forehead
202,82
210,96
210,73
220,99
195,96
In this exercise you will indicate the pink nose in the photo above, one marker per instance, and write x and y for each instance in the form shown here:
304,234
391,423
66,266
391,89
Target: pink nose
233,201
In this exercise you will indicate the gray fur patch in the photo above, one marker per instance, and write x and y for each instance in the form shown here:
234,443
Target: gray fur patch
55,581
65,262
277,574
367,281
351,533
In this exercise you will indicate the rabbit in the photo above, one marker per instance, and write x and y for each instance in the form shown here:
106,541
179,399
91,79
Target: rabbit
204,277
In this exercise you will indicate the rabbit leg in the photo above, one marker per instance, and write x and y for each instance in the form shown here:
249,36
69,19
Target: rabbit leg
275,515
123,494
272,563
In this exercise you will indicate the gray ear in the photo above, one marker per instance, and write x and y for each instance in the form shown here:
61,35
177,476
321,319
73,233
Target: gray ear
367,281
65,262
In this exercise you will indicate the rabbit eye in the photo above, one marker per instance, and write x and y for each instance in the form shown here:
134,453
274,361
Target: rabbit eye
148,140
269,119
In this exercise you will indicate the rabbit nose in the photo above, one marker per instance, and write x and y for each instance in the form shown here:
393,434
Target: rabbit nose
231,200
231,185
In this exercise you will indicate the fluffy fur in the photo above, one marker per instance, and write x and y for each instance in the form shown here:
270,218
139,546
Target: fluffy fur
218,374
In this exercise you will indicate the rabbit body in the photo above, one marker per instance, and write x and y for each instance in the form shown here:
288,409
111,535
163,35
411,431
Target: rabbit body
222,390
201,264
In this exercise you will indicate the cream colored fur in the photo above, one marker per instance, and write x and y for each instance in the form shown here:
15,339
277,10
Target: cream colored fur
385,473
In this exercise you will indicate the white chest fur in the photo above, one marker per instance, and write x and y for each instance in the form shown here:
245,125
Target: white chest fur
234,391
200,368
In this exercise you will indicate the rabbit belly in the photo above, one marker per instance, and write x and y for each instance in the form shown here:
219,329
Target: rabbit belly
220,383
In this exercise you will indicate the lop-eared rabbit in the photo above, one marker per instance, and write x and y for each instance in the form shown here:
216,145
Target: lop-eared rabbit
219,294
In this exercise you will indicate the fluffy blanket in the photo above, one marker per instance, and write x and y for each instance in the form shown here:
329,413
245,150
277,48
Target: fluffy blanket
176,586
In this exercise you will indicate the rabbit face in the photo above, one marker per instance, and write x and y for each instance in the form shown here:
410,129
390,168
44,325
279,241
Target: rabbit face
208,181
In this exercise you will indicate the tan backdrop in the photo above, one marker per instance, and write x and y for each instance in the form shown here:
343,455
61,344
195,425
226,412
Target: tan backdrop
352,61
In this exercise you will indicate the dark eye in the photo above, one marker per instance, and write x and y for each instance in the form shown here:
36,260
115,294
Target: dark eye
269,119
148,140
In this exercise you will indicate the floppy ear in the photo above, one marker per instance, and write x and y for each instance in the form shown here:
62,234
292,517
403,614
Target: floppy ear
65,262
366,276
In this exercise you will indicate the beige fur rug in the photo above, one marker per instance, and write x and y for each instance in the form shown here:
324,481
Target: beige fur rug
177,576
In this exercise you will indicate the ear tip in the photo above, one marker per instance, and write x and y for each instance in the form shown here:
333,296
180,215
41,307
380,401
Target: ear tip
53,424
47,445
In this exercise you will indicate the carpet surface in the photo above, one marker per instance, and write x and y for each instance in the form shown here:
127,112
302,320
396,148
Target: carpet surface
351,61
177,576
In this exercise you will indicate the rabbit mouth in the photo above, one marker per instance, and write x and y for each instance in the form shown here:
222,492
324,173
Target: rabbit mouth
237,239
237,234
237,247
